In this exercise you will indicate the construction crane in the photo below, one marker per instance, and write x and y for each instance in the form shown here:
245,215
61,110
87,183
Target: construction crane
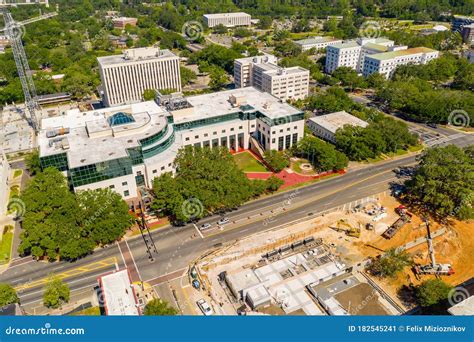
434,267
13,33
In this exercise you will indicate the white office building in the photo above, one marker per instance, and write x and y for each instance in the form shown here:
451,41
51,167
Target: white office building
386,63
118,295
125,147
227,19
318,43
262,72
351,53
325,126
4,187
125,77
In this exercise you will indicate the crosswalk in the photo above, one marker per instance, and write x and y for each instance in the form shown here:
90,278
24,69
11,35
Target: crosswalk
441,140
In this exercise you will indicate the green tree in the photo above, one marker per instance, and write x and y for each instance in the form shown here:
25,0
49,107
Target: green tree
32,161
390,264
432,292
277,160
7,295
149,94
187,75
219,29
158,307
274,183
444,183
322,155
218,78
56,292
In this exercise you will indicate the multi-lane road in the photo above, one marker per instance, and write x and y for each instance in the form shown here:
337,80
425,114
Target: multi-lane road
178,246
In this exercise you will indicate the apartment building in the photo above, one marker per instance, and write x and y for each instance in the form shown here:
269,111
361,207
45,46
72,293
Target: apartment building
125,77
467,34
386,63
263,73
125,147
227,19
317,43
459,21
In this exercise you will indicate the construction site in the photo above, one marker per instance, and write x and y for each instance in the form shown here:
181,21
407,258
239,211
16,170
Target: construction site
318,266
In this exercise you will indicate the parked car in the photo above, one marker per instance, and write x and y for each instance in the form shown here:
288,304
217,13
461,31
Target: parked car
196,284
205,308
223,220
205,226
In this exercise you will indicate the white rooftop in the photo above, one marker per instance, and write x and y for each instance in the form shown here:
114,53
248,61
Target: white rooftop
215,104
138,54
118,294
227,15
315,40
332,122
464,308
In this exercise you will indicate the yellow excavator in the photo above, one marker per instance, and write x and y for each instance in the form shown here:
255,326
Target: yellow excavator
343,226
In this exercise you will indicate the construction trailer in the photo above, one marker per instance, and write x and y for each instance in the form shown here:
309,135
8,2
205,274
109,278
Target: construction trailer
433,267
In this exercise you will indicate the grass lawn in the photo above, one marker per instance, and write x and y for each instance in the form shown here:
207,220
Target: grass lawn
14,191
247,163
17,173
6,246
92,311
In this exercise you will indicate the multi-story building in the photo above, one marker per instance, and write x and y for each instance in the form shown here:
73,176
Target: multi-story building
325,126
125,147
125,77
467,34
459,21
344,54
352,53
263,73
227,19
4,188
386,63
317,43
122,22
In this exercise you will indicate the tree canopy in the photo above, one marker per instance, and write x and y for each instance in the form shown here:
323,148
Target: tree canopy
7,295
390,263
444,182
432,292
56,292
206,180
59,224
158,307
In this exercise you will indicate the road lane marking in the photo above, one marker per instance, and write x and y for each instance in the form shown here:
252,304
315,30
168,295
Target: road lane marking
199,232
70,273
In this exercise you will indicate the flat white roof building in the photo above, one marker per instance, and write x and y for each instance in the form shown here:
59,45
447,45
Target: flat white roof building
464,308
227,19
125,147
118,295
317,43
263,73
125,77
386,63
325,126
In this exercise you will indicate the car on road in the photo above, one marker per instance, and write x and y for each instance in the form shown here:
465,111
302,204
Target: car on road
196,284
205,226
205,308
223,220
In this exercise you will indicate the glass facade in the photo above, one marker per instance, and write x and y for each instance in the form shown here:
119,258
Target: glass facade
58,161
154,138
153,151
100,171
120,118
207,121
